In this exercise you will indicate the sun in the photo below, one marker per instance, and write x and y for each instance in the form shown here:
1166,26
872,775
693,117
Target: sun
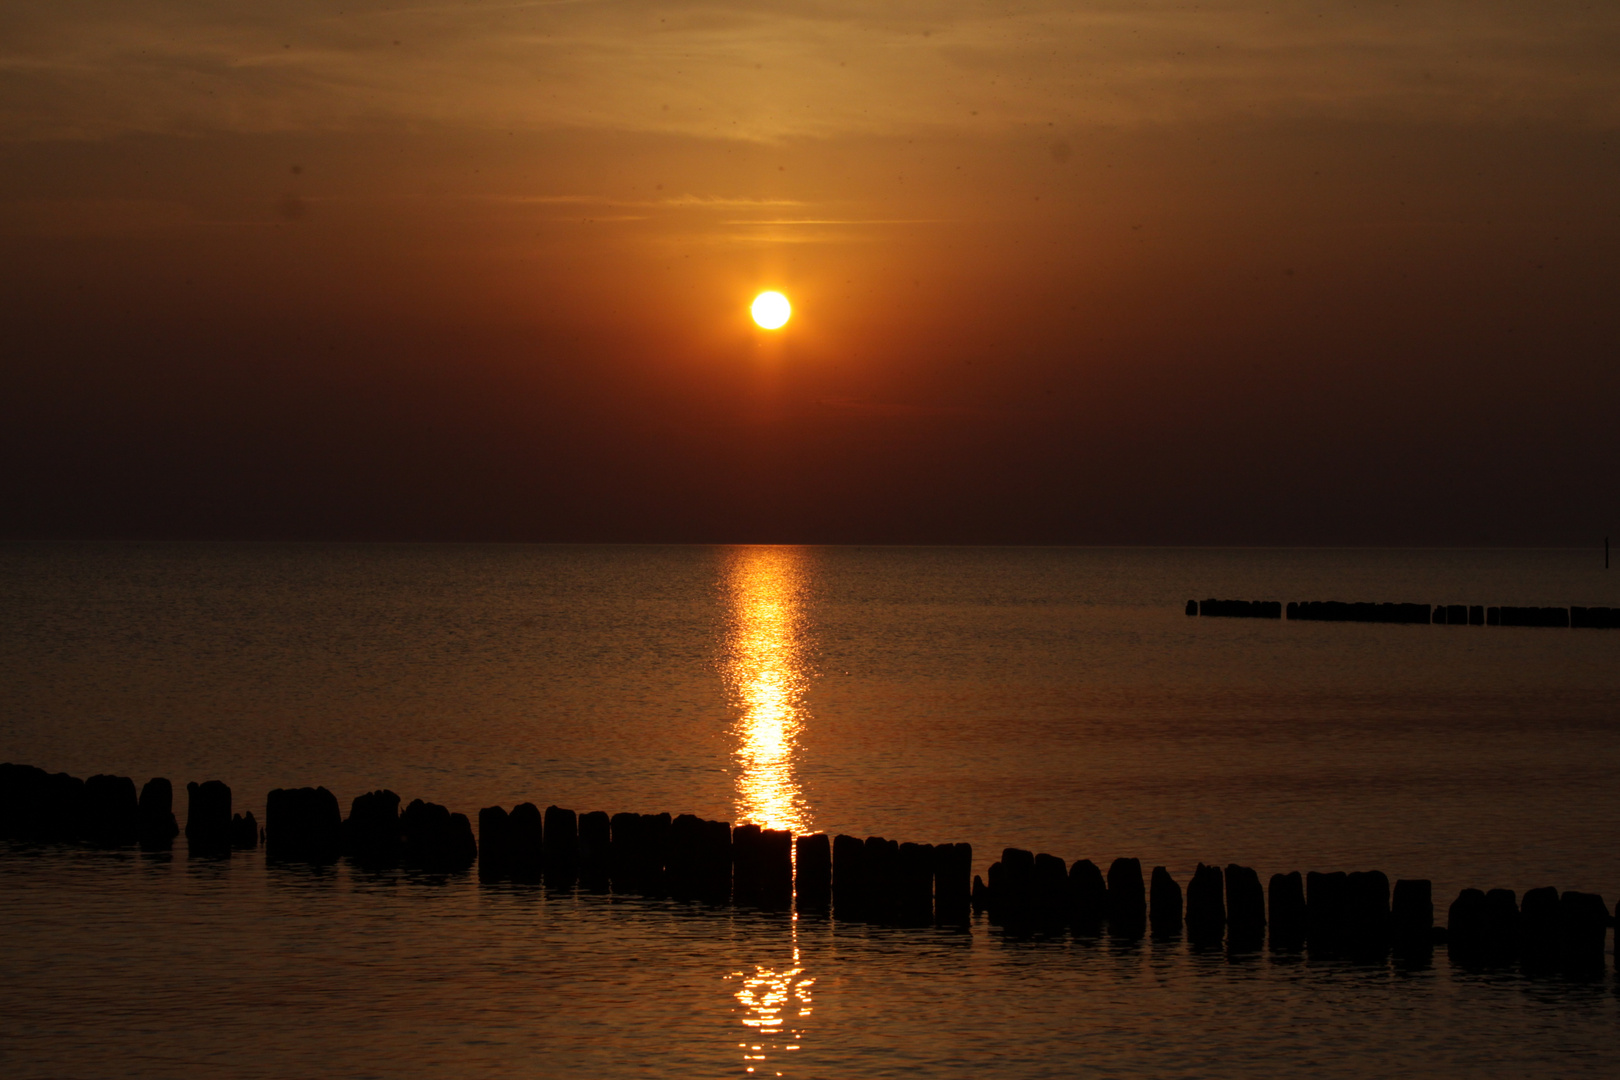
771,310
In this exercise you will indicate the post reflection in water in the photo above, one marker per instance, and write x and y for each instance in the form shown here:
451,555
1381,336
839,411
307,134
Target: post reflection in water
767,679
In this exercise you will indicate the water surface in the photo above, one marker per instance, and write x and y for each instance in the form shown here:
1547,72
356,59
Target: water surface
1051,698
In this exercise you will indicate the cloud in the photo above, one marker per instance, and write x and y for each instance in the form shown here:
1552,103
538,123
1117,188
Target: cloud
699,202
774,71
837,221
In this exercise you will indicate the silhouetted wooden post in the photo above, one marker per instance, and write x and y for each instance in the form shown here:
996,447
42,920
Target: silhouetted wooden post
370,834
849,877
112,811
1088,897
716,861
1583,921
208,817
60,812
1411,917
56,813
244,831
953,882
1164,904
528,842
561,845
1014,895
494,842
916,893
812,856
1367,892
1245,908
436,840
1465,927
1538,923
595,846
1285,906
655,830
301,824
156,809
1502,927
775,853
624,842
995,889
1206,906
1051,890
882,865
1127,899
1326,909
745,872
685,847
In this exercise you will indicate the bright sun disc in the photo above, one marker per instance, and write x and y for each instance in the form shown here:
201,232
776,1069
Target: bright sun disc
771,310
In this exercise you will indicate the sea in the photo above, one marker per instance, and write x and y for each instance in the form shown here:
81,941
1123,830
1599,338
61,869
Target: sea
1051,698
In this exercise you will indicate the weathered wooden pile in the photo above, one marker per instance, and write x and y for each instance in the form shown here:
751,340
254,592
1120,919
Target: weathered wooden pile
1547,931
688,857
106,812
305,825
1579,618
1350,912
1338,611
868,880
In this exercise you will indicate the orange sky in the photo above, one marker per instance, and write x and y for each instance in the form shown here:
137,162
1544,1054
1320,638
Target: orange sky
1066,272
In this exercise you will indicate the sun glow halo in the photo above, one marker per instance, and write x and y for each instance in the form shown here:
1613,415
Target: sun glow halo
771,310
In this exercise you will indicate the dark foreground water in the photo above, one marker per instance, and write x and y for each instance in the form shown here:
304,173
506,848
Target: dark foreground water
1050,698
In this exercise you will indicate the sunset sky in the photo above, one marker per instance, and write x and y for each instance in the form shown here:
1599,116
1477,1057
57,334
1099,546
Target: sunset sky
1241,272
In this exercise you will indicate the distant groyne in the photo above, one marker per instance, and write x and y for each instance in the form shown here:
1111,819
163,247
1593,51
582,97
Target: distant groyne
1358,914
1574,617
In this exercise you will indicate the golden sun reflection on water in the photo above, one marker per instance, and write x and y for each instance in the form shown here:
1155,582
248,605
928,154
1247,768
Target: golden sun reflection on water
775,1003
767,678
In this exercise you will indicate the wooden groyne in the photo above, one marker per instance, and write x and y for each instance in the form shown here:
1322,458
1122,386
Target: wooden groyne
872,879
1576,618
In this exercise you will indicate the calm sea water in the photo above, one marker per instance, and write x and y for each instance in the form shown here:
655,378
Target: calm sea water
1050,698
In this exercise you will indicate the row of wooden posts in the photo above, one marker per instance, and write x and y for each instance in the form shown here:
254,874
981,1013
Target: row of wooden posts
870,879
1574,617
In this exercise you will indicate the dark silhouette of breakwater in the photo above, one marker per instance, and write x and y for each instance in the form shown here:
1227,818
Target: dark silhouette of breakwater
1548,931
872,879
1578,618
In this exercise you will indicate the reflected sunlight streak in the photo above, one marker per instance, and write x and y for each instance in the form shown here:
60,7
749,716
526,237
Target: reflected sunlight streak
767,678
767,674
774,1004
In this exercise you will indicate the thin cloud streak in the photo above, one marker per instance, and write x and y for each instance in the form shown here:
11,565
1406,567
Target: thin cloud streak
99,68
843,221
677,202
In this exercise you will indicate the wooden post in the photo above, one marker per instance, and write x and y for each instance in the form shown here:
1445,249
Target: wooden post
813,877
